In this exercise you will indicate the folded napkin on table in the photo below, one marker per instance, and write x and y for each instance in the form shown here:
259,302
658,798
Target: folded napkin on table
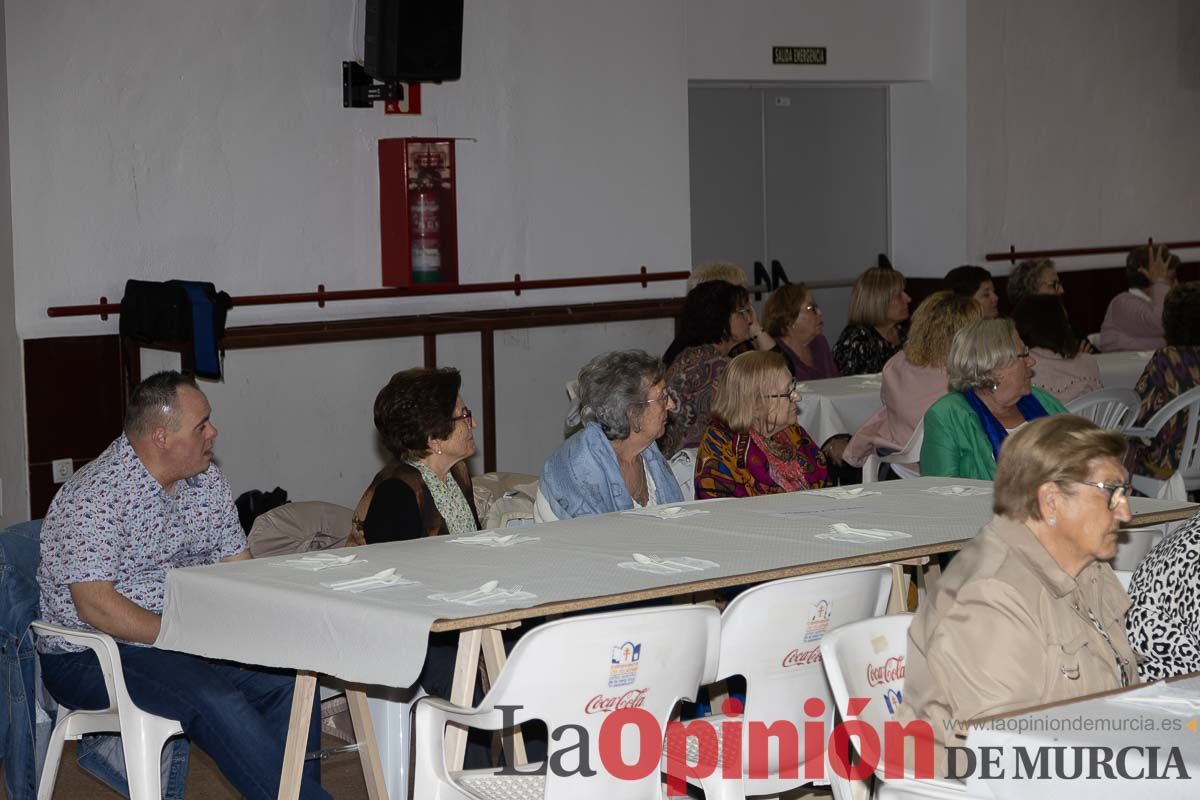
841,532
380,580
487,594
845,492
959,491
667,566
667,512
494,539
315,562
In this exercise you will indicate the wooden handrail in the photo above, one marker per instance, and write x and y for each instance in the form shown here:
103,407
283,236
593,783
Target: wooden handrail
428,327
1013,255
321,296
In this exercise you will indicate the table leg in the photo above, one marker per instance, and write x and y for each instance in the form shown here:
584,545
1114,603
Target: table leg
898,600
462,693
494,658
297,739
368,746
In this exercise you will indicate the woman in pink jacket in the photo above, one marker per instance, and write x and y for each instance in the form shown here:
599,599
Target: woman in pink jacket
1134,317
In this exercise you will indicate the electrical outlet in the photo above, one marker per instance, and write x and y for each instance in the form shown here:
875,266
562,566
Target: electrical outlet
63,468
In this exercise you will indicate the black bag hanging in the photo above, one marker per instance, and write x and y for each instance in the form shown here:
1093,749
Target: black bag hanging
178,311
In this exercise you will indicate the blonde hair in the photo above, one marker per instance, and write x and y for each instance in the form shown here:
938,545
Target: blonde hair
717,271
978,351
871,295
1057,449
782,308
739,396
934,324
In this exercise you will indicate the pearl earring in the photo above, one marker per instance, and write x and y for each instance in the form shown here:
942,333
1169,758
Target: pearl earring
1052,521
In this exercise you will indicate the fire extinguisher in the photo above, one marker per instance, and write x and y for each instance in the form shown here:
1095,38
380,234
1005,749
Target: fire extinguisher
424,215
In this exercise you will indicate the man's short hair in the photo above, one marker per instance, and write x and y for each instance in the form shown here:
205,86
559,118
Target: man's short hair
154,402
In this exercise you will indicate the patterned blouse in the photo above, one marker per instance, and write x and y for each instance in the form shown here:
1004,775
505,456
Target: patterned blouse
692,377
862,350
1170,372
449,499
1164,621
731,464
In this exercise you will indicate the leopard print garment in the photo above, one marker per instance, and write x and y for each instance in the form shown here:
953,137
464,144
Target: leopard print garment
1164,620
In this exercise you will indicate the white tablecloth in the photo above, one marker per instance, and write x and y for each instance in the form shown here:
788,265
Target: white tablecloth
837,405
1122,369
842,405
257,612
1154,716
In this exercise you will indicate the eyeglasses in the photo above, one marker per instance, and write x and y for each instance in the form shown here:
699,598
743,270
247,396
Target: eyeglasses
812,308
666,397
465,416
1053,286
1116,491
792,393
1024,354
745,311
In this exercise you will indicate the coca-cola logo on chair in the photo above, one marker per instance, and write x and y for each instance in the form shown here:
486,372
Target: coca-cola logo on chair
800,658
888,671
602,704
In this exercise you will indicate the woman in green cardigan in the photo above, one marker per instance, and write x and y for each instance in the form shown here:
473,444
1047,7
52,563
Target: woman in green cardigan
991,396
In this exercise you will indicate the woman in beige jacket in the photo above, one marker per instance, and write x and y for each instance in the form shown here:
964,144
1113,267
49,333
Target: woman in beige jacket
1029,612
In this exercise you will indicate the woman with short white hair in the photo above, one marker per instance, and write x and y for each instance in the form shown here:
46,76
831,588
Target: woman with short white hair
991,396
612,463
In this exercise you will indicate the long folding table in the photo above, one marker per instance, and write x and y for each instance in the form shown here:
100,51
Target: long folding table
264,613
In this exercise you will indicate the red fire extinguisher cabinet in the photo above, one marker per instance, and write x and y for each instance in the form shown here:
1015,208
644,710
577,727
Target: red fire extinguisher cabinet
418,217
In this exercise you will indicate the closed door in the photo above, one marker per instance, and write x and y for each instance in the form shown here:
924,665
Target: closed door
797,175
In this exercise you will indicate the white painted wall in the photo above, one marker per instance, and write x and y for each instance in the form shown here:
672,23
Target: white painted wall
165,138
865,40
928,153
14,474
207,141
1082,126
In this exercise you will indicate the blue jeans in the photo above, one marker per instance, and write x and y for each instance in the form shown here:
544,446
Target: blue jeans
238,715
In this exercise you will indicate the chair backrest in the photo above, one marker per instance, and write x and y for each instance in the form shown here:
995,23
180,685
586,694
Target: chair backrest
772,634
577,671
299,528
1189,460
866,660
683,467
1132,546
909,454
1113,409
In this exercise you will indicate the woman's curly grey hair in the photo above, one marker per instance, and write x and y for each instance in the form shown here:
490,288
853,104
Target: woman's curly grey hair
978,351
1023,280
612,387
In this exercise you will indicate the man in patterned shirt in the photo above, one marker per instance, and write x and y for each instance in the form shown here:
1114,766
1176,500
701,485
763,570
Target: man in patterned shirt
154,501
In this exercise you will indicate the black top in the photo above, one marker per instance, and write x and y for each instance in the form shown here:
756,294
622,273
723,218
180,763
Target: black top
861,349
393,515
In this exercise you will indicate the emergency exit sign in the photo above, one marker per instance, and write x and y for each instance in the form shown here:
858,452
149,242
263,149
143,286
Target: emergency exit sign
798,55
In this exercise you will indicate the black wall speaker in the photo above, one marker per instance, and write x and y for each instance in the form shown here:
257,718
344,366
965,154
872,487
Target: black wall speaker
413,40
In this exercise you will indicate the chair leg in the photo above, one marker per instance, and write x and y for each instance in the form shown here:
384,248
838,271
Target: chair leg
142,747
53,757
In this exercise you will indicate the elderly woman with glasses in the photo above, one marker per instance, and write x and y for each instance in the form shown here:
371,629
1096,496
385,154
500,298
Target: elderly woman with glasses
717,318
426,489
991,395
796,323
877,324
1031,278
1029,612
753,444
612,463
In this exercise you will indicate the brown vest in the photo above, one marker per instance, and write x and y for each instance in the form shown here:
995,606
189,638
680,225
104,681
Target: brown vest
431,521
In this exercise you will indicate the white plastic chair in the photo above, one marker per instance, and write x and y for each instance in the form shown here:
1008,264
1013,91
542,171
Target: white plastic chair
770,635
575,671
909,454
1112,409
683,467
849,654
142,735
1189,461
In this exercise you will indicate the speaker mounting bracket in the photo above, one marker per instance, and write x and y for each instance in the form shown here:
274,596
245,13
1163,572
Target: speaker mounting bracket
360,90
